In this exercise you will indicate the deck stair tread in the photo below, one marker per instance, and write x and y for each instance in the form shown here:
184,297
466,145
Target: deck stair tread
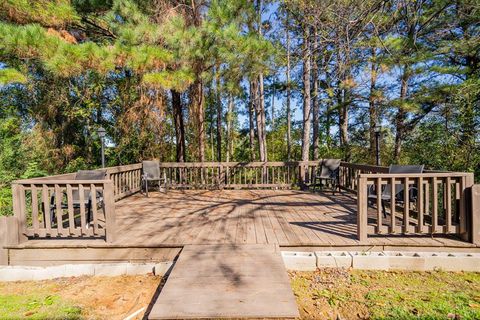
227,281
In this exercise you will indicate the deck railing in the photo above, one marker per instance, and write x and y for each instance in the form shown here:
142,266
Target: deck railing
51,207
427,203
445,202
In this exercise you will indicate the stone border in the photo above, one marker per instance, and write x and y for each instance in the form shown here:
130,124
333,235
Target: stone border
23,273
383,260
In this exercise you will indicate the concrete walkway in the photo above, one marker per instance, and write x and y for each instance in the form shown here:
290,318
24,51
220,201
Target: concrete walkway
227,281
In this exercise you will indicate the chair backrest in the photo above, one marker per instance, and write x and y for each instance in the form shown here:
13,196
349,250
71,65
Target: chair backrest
329,167
151,169
90,175
401,169
406,169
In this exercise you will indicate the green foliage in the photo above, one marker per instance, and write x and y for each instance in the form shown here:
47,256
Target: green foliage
9,75
50,13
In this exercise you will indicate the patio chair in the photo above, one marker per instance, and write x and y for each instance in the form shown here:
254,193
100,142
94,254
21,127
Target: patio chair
386,194
329,171
151,172
87,199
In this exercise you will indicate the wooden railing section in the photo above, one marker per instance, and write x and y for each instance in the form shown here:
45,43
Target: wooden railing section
445,202
430,203
126,179
51,207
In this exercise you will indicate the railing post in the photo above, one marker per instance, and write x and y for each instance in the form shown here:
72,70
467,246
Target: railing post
362,209
109,203
466,192
475,217
19,208
8,236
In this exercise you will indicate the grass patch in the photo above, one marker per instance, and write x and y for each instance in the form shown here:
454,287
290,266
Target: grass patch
39,305
355,294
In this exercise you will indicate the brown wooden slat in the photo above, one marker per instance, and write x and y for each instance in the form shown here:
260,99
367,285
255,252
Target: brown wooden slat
35,209
71,214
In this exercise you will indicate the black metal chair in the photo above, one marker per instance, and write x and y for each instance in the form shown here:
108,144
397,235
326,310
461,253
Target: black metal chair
87,198
386,195
151,172
328,172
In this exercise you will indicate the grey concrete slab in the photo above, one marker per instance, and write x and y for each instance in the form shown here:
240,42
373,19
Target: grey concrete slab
227,281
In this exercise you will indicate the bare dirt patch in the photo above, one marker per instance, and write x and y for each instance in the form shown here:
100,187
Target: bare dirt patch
78,297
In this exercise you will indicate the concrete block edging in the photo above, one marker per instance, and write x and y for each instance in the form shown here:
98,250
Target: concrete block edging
383,260
25,273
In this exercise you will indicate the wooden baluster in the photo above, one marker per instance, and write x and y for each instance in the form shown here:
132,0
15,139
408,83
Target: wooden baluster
46,209
58,208
448,203
392,206
434,205
379,205
71,213
35,210
426,208
420,206
93,192
406,206
83,226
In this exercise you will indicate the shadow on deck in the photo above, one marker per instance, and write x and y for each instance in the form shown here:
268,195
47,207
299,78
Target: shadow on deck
288,218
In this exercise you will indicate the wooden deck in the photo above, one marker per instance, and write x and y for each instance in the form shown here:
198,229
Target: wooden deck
285,217
288,218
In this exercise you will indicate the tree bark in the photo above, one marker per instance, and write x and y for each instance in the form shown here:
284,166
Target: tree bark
229,128
306,94
401,115
372,108
260,110
179,126
315,102
251,114
219,117
289,112
198,112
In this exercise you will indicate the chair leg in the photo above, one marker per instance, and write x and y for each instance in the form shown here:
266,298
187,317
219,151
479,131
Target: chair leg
384,209
89,212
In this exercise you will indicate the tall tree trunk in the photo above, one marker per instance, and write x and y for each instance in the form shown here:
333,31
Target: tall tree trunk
315,102
343,124
289,112
401,115
251,115
197,107
179,126
229,154
260,111
219,116
306,94
372,108
261,123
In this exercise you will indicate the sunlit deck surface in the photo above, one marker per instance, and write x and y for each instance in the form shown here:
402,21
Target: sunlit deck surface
284,217
289,218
